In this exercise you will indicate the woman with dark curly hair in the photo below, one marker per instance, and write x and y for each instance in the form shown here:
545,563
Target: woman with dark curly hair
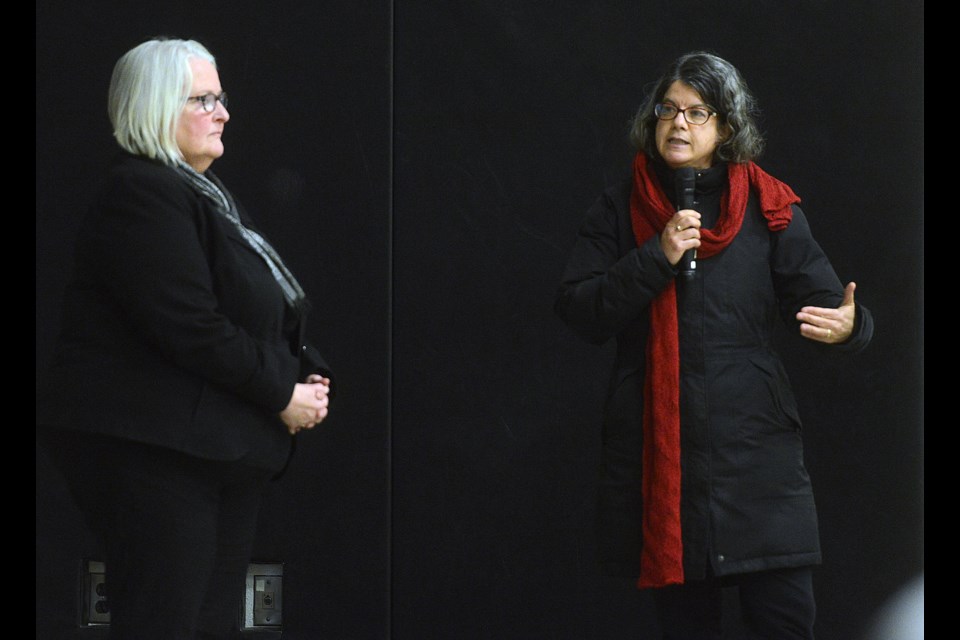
688,266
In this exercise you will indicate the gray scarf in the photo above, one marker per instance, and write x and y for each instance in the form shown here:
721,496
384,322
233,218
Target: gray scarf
210,187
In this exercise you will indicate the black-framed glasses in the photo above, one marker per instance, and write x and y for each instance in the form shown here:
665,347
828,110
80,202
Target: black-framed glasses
697,114
209,100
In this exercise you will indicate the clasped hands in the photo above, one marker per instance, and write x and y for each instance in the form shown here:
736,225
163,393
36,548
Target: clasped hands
308,405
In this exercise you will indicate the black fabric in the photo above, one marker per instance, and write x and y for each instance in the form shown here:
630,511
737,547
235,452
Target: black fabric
211,187
774,605
177,532
174,331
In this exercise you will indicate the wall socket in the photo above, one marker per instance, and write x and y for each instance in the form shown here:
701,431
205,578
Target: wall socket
263,601
94,606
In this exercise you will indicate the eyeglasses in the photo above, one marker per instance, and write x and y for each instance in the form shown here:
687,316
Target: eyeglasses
698,114
209,100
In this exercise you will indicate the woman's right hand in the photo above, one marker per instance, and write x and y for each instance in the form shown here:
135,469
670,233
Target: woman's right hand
309,404
681,233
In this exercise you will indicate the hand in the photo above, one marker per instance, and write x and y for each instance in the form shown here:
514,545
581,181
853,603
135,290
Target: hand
681,232
309,404
829,325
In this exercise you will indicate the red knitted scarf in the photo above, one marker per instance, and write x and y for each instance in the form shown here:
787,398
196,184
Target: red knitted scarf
661,561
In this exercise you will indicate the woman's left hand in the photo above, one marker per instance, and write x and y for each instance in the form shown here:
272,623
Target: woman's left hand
831,326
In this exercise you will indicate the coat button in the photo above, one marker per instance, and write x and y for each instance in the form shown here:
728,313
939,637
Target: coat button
720,557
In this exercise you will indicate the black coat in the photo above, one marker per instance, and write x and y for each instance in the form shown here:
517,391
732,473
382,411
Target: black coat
174,331
747,502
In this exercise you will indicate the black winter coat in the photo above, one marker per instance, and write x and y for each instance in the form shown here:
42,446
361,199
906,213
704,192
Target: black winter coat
747,502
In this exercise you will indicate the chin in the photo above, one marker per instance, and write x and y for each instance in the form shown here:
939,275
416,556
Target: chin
674,161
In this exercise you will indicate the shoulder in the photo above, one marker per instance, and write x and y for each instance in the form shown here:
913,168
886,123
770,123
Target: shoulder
609,215
136,181
613,201
127,169
618,195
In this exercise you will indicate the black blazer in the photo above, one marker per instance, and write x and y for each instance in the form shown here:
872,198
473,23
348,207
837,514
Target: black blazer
174,331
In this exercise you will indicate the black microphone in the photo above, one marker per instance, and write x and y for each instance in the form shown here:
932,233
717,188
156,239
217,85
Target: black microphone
686,180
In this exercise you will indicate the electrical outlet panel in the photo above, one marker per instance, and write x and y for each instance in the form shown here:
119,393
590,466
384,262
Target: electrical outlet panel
263,601
94,606
262,605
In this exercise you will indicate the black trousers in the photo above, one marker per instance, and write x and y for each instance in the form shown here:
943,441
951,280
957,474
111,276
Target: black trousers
177,533
774,605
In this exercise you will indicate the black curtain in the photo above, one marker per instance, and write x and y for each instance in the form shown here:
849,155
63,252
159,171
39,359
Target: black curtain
424,167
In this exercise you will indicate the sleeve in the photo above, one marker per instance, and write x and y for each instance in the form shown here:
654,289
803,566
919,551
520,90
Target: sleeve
146,247
804,276
605,287
312,362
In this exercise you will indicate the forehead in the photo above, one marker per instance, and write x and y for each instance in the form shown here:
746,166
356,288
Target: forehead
682,93
205,75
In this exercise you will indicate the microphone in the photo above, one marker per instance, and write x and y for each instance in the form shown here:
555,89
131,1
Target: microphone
685,181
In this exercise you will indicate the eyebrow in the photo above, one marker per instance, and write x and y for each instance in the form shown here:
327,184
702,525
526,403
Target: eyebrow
698,104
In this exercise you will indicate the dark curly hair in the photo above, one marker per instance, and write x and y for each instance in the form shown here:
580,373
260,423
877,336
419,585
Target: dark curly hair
722,87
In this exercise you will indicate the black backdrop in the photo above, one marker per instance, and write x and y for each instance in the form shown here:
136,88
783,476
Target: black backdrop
424,167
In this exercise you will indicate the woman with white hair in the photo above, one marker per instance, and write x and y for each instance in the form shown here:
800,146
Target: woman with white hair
181,375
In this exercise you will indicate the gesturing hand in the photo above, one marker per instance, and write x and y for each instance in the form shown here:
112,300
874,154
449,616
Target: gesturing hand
831,326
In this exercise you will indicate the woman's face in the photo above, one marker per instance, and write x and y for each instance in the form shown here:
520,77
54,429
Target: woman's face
198,132
680,143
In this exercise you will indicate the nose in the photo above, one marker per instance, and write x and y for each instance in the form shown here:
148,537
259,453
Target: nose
220,112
